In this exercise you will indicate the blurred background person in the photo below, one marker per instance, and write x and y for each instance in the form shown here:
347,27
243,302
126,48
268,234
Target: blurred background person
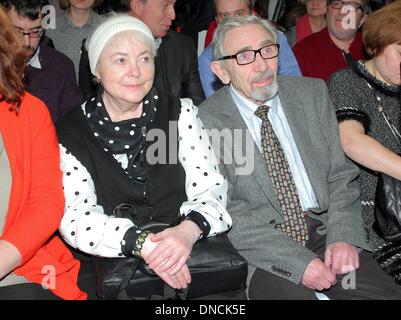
290,19
31,195
76,23
313,21
49,74
329,50
232,8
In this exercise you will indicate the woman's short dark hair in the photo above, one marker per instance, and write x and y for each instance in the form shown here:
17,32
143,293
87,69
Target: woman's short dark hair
12,64
382,28
65,4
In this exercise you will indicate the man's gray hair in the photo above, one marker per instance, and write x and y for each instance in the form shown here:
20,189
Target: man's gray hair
236,22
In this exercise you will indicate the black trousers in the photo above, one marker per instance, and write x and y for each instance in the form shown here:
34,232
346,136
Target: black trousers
368,282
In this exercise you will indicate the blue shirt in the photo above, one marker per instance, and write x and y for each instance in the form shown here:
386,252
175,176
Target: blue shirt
283,131
287,65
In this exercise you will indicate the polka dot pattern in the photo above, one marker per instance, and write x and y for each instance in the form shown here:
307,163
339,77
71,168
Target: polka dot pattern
204,182
84,224
100,234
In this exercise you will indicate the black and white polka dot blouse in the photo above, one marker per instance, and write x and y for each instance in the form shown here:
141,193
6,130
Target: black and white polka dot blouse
86,226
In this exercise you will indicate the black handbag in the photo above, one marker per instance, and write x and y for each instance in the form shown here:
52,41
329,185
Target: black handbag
387,209
215,267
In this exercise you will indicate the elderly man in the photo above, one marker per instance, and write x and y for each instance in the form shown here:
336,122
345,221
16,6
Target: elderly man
297,216
230,8
323,53
176,60
49,74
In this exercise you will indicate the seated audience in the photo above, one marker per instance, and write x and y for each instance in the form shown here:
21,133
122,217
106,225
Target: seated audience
107,160
49,74
296,216
32,259
230,8
327,51
366,97
76,23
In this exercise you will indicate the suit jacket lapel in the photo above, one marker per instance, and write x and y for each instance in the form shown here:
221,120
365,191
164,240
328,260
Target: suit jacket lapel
295,112
235,121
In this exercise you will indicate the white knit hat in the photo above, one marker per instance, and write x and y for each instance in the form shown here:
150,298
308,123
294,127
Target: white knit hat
109,28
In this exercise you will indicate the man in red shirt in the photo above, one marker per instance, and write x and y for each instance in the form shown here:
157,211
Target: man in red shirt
323,53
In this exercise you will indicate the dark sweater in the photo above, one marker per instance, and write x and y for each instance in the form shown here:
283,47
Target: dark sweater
159,198
55,83
353,99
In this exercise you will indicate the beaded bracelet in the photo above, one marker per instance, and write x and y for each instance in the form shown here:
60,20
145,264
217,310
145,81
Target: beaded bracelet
139,243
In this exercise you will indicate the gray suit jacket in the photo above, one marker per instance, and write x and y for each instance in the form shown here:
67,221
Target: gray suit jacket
251,200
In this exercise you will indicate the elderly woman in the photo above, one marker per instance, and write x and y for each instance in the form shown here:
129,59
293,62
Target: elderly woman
31,195
108,159
367,101
313,21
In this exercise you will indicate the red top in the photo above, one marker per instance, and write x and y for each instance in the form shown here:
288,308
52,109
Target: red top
303,28
37,201
319,57
210,32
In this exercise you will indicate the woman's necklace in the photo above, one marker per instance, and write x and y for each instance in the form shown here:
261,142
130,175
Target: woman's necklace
380,108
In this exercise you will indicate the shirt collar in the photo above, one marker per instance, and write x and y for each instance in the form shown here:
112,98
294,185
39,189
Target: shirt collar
158,43
248,107
35,61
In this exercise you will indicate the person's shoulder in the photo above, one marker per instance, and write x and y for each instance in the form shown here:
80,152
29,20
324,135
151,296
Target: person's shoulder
178,38
59,27
56,59
97,18
72,118
55,55
212,105
207,54
34,104
310,43
342,76
302,83
33,108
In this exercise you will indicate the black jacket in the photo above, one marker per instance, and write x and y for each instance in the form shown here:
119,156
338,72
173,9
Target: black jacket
176,69
55,83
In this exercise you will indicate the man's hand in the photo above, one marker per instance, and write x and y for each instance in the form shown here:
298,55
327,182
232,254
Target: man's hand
341,258
317,276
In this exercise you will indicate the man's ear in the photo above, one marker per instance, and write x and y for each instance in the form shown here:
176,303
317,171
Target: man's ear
365,16
136,7
219,70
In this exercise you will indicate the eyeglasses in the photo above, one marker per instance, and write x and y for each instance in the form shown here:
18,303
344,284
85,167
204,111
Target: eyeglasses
338,4
36,33
248,56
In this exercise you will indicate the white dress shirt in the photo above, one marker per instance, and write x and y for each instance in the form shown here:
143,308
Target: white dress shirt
282,129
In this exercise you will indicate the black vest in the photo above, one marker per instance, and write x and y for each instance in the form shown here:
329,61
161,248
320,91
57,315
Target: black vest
160,198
